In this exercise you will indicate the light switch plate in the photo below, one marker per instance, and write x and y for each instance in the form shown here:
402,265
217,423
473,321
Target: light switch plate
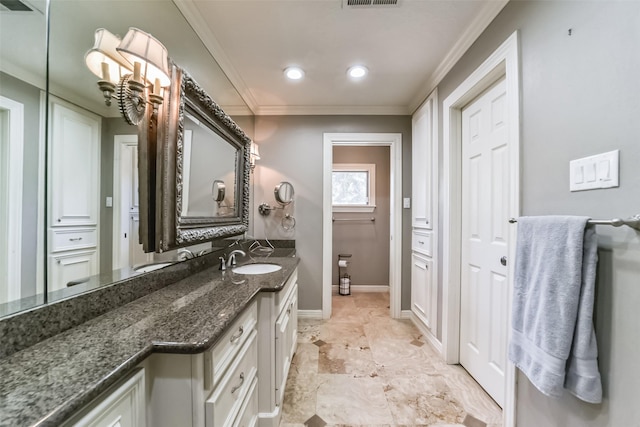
599,171
109,202
406,203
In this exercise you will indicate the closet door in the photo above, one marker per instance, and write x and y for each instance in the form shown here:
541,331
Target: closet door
422,165
75,168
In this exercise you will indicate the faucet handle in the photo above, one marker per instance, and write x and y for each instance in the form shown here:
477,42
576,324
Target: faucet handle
223,265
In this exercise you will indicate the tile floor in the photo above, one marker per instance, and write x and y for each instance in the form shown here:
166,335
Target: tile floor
362,368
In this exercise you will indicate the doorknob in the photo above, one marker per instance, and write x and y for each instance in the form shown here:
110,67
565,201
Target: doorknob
503,260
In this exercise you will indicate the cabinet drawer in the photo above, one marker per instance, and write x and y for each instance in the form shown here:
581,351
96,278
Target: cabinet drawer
224,404
69,239
218,359
122,407
421,242
248,416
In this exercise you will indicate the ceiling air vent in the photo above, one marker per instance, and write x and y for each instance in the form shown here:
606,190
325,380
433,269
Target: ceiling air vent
369,3
14,6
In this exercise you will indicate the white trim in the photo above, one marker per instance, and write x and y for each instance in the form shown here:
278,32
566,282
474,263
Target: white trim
468,37
431,339
12,247
332,110
406,314
362,288
118,142
310,314
40,245
394,141
504,61
196,19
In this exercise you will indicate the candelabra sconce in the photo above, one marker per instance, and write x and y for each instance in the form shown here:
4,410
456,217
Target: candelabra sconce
134,71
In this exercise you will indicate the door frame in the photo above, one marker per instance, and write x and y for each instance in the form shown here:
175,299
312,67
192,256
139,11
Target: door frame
12,251
394,141
504,61
118,142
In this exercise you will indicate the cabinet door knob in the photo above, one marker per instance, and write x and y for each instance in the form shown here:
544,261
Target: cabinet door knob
503,260
238,335
235,388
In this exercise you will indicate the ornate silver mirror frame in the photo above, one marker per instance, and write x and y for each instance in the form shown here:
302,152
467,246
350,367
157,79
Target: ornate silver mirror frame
173,229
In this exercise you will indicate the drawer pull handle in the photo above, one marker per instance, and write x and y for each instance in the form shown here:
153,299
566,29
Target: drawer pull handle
75,239
238,335
234,389
421,242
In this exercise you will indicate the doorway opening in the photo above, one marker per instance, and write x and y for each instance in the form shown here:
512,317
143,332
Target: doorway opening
127,250
11,161
394,143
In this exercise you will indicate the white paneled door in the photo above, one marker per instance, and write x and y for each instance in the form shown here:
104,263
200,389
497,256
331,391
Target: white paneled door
485,202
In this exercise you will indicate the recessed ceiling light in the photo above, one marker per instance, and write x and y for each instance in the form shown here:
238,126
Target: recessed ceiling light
294,73
357,71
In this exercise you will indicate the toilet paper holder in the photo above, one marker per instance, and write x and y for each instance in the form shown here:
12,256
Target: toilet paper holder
344,279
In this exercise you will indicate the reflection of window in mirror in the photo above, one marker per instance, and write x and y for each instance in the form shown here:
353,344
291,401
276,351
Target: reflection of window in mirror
353,188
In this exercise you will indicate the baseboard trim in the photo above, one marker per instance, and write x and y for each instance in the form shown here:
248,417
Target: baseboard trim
310,314
406,315
362,288
431,339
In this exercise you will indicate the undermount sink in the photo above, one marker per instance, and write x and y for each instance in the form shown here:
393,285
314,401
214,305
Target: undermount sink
260,268
145,268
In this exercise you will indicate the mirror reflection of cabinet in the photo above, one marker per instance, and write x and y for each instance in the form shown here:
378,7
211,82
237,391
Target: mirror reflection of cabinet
75,187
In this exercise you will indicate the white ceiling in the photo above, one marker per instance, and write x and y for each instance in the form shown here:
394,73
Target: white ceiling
408,48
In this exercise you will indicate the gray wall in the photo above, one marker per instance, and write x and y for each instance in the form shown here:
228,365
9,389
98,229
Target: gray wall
580,97
291,150
368,242
29,96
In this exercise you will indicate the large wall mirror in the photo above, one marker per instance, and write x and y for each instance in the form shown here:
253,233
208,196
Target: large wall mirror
80,230
204,178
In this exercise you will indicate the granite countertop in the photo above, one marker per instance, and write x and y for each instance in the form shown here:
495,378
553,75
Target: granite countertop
46,383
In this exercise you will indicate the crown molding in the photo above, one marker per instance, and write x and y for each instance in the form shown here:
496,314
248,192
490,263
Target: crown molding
190,11
331,110
468,37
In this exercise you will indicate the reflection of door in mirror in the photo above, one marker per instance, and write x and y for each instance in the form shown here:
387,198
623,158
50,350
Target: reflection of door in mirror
127,249
11,160
74,186
207,158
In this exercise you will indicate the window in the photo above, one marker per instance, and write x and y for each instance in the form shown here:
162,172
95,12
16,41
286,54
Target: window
354,188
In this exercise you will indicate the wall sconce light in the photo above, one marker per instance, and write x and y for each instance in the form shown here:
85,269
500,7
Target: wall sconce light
135,69
254,154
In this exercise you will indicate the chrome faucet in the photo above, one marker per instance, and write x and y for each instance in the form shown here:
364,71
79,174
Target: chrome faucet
231,259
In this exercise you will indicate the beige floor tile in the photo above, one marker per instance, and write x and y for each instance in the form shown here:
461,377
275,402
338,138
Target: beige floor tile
362,368
346,359
422,399
343,399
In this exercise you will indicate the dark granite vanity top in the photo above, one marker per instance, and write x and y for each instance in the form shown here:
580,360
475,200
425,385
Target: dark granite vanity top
46,383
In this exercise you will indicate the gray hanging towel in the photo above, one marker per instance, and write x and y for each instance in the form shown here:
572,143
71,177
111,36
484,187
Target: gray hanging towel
552,337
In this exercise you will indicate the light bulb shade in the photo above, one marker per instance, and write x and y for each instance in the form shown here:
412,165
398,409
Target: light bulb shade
138,46
104,52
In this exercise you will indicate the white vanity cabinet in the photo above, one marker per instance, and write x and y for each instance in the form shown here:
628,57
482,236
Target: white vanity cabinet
424,290
217,388
74,186
121,406
277,339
